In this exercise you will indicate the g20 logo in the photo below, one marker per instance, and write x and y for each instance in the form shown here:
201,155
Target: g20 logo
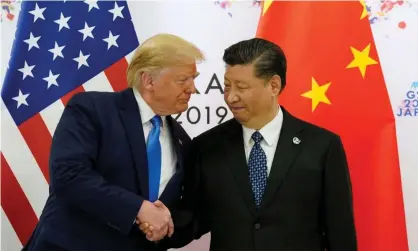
409,107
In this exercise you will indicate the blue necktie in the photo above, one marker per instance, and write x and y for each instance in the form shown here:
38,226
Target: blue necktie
257,164
154,158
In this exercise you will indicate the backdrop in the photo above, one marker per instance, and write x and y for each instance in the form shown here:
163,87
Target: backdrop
212,26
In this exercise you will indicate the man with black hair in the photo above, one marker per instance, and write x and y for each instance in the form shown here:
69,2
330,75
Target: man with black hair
264,180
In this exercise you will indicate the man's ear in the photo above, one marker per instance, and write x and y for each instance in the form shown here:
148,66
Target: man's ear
276,84
147,81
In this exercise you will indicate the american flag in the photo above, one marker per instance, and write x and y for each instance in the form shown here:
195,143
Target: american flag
60,48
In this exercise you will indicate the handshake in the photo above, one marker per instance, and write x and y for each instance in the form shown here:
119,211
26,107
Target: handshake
154,219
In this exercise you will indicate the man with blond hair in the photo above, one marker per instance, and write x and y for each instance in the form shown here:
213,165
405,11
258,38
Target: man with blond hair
117,157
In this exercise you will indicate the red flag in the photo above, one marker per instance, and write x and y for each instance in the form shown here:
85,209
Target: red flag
335,80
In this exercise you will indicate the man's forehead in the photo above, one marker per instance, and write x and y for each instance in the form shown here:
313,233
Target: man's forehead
238,73
185,70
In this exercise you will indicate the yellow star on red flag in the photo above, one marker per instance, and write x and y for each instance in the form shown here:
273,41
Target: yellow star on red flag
266,5
317,94
364,12
361,59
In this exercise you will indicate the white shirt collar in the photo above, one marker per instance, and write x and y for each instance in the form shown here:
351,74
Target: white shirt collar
270,131
144,109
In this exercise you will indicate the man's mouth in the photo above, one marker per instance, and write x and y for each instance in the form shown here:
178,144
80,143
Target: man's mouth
236,108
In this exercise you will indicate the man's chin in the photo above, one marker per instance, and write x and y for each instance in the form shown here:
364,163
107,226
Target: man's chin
240,118
182,107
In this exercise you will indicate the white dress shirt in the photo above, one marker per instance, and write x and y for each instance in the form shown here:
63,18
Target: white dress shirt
270,133
168,153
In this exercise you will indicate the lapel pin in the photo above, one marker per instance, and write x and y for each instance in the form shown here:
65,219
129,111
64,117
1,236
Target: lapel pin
296,140
181,143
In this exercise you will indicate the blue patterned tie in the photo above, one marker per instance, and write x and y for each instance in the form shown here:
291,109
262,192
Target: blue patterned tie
257,164
154,158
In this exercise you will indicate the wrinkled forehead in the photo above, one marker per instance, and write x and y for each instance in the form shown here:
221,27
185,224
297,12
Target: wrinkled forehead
186,70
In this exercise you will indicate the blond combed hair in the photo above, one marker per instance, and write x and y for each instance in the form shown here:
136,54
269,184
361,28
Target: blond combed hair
159,52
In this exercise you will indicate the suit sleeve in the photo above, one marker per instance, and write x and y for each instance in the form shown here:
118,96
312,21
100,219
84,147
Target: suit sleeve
74,179
340,230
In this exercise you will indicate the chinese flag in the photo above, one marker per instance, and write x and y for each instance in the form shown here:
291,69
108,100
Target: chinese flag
335,80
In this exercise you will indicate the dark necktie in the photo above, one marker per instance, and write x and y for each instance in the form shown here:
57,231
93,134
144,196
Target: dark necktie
154,158
257,164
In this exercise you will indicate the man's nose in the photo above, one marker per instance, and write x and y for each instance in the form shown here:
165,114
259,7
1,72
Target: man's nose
191,87
231,97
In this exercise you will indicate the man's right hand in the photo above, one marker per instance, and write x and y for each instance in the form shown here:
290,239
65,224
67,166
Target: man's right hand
157,217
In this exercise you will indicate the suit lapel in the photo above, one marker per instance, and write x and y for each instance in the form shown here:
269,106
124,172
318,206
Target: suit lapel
178,144
129,112
287,150
171,192
237,163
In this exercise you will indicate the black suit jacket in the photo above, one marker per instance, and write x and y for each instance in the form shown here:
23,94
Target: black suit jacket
307,205
99,176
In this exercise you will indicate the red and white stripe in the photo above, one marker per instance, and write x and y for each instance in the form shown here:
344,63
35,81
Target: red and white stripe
25,155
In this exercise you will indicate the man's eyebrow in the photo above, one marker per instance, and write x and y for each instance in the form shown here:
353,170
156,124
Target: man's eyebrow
239,81
243,83
185,75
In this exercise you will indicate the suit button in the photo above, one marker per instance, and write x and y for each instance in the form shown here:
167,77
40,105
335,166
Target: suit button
257,226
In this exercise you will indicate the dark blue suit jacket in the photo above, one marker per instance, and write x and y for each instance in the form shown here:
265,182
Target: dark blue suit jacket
99,177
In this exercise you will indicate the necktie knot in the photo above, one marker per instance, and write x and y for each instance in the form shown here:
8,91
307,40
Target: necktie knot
257,137
156,121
